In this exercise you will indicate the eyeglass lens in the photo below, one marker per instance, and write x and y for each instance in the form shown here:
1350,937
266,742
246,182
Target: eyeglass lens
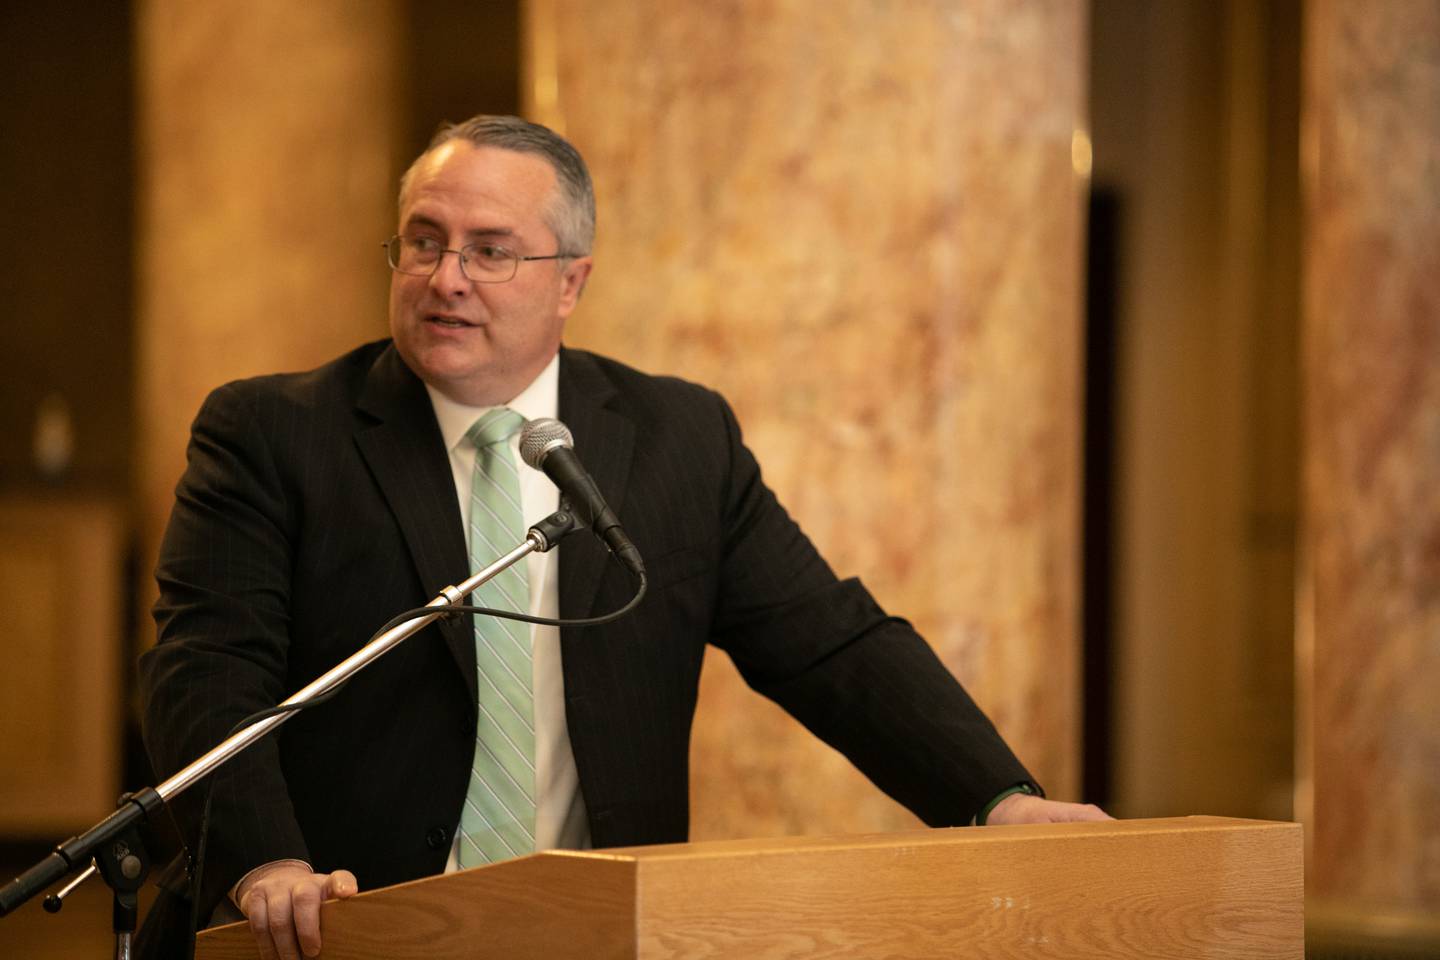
483,262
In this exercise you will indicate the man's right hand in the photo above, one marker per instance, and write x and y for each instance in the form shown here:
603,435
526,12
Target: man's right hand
282,903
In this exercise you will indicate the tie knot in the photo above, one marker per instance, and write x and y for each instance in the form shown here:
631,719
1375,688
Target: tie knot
495,426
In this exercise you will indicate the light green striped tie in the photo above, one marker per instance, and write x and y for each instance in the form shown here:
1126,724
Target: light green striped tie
498,821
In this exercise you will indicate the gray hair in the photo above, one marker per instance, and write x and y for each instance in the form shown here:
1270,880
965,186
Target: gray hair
571,216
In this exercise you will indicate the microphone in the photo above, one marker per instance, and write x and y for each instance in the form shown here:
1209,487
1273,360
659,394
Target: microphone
548,445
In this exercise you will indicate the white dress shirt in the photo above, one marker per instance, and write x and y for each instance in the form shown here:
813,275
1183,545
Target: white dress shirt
560,819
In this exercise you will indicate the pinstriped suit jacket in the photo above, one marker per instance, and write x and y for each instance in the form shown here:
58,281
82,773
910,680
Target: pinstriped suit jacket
315,506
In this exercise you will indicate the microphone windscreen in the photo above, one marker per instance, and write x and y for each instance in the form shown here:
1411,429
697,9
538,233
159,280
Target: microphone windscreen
539,437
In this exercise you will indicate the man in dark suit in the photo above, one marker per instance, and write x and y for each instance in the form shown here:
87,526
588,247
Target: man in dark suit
314,506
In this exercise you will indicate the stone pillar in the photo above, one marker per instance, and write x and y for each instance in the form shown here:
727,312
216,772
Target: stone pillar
861,222
1369,643
265,171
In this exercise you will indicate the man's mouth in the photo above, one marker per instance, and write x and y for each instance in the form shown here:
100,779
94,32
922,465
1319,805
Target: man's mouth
445,320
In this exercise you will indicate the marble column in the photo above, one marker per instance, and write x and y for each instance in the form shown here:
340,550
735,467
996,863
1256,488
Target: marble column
860,221
1369,643
267,132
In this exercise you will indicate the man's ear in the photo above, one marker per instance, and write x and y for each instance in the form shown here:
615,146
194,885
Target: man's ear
572,281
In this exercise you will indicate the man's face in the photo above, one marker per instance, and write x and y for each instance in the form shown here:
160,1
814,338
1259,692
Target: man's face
482,343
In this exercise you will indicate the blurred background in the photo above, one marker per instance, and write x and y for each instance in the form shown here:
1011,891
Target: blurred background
1102,340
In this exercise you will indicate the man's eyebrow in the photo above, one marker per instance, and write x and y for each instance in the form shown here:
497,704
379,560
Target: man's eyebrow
489,236
420,220
480,233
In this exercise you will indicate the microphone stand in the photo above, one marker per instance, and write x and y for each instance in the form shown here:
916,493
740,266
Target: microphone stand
113,847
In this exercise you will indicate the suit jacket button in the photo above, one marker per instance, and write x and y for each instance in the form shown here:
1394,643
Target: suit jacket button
437,838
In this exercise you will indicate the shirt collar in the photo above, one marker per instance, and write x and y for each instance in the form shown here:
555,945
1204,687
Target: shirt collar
539,399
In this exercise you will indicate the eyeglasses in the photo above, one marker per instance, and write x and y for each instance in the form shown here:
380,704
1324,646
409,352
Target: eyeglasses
480,262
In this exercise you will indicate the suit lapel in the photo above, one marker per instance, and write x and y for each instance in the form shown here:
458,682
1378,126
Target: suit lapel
404,450
605,444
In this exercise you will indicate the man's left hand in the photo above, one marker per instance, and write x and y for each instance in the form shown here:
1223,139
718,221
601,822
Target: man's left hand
1022,808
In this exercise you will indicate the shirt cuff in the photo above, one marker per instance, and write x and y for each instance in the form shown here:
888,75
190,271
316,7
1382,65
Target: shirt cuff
1029,789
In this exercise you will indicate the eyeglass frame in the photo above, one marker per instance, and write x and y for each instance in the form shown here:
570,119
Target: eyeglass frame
515,258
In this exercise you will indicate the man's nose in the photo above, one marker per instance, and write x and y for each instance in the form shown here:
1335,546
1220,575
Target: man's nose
448,277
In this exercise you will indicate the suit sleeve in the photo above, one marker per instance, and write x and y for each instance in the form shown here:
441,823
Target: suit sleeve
863,681
223,639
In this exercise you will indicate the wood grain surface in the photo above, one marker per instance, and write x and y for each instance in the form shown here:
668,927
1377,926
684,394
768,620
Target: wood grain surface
1189,887
553,904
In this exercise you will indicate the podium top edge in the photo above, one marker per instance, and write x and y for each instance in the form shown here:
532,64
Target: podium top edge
910,838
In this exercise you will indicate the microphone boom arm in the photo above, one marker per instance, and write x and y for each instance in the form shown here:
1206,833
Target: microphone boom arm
140,805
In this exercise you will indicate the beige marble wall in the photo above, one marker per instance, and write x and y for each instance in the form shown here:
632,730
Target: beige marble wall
266,133
861,222
1370,640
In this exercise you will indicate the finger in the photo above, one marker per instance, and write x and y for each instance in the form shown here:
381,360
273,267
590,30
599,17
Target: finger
305,899
257,913
1083,812
342,884
281,924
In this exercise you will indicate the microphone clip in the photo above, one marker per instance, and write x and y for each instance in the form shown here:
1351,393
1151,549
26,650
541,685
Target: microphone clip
548,532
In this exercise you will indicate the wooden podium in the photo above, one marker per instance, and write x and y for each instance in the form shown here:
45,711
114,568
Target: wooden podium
1189,887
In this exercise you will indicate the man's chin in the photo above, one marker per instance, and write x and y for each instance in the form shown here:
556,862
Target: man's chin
449,377
442,364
